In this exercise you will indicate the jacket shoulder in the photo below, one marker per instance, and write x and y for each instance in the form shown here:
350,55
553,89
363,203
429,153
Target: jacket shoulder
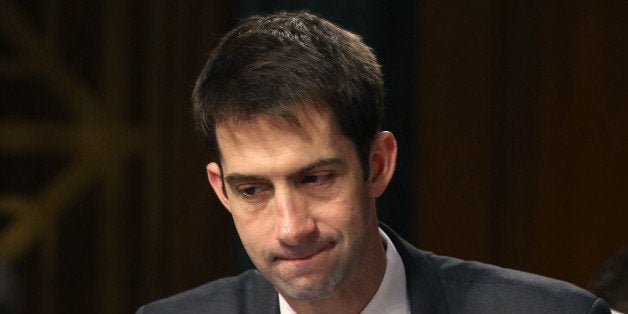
247,293
472,287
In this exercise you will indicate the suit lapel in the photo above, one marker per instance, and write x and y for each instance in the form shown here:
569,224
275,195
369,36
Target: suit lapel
425,292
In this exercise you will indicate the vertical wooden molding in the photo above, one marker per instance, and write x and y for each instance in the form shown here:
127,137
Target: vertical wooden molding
154,218
112,268
453,128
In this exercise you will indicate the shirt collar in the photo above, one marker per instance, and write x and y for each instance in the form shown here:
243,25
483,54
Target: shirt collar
391,296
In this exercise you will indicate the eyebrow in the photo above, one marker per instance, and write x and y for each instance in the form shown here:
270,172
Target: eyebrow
235,177
317,164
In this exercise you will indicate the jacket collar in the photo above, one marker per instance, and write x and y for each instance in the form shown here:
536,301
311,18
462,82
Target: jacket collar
425,292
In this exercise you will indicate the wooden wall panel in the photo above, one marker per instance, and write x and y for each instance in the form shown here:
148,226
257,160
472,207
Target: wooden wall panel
583,173
453,128
524,102
104,204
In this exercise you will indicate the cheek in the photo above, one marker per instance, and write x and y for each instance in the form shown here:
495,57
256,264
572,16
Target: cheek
254,233
347,212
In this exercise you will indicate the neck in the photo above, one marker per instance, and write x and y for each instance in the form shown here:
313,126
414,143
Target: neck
357,291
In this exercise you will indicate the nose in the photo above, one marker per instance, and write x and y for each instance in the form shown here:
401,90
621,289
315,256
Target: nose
294,223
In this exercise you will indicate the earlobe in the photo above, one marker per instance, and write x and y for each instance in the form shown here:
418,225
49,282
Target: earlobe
214,175
382,161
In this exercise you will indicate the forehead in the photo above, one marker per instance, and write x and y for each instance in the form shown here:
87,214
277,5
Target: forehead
270,140
300,119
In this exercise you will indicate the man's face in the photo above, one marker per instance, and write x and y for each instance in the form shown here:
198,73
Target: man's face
300,203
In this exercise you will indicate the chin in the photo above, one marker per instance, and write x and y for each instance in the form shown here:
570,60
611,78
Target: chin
307,291
306,294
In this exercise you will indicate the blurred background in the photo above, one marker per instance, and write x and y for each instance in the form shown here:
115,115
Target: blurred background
511,116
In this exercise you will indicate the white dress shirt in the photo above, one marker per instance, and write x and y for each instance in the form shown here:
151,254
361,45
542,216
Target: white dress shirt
391,296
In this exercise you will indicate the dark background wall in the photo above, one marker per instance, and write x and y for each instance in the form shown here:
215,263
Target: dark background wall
511,118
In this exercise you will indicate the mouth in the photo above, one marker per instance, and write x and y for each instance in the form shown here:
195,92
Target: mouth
305,257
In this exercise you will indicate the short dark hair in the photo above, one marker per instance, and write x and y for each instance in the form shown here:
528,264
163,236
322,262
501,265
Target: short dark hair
280,63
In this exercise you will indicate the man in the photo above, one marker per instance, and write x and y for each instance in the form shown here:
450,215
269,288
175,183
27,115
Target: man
291,107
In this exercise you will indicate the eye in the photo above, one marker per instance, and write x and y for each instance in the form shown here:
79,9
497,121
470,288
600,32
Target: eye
316,179
312,179
250,190
253,194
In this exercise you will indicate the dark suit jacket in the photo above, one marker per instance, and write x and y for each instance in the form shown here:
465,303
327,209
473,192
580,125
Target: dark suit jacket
435,284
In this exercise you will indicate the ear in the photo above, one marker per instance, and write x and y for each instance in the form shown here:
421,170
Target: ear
214,175
382,160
